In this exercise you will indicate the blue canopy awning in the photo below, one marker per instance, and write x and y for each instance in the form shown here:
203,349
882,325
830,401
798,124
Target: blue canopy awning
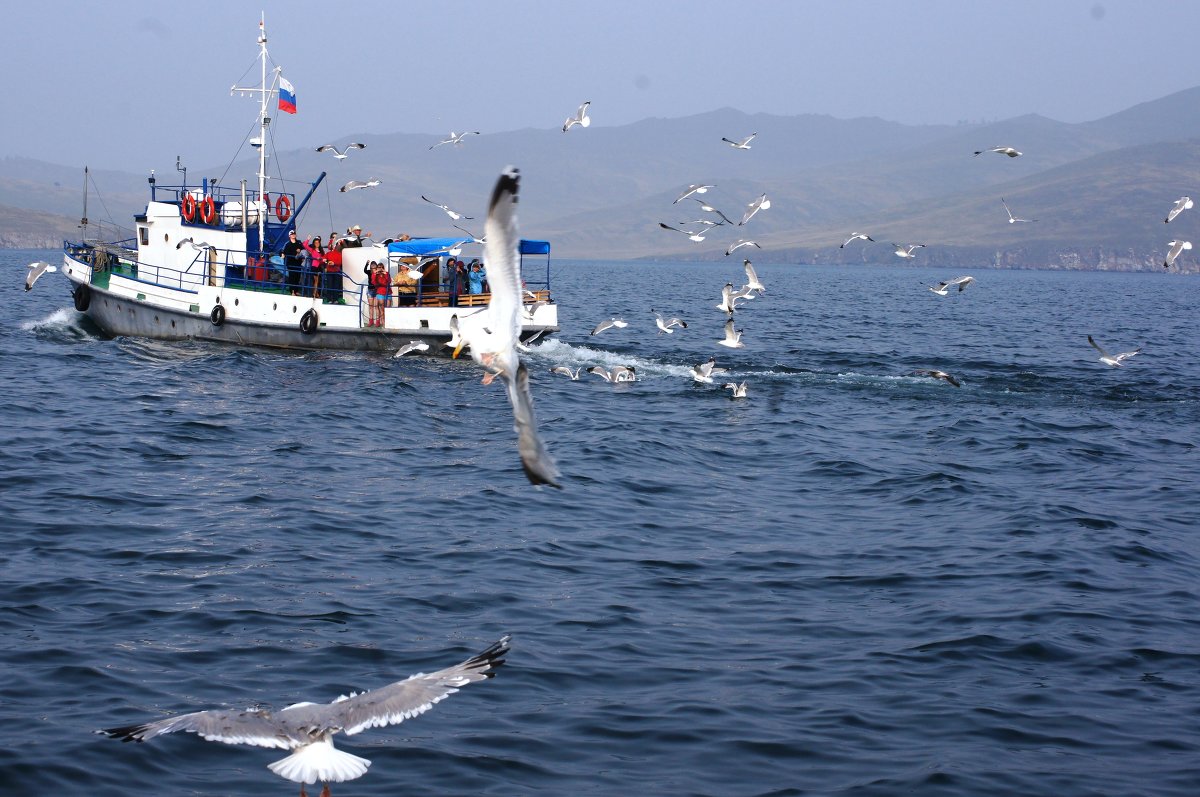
420,247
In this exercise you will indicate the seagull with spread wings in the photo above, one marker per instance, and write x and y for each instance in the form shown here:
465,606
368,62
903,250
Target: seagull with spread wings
743,144
37,269
341,154
455,138
451,213
693,189
1009,151
355,184
1115,360
580,118
762,203
855,237
307,729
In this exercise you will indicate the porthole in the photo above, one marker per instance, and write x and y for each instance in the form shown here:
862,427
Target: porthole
235,301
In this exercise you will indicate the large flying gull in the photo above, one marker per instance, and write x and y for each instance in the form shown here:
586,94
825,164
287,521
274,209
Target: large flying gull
494,346
697,235
762,203
580,118
340,154
906,250
752,281
733,337
307,729
856,236
353,184
665,324
608,323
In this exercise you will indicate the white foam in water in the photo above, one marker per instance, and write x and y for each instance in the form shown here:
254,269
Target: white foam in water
562,353
63,319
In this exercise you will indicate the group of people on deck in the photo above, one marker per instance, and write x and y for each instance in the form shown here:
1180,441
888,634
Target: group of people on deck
314,268
462,278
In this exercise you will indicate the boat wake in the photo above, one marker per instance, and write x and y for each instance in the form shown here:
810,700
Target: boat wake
63,324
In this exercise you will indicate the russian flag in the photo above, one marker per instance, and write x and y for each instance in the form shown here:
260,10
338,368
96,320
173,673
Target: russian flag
287,95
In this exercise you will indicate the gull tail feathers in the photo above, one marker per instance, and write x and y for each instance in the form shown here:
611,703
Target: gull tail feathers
320,761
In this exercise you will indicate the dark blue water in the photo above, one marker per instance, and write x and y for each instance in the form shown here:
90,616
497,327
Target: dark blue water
853,582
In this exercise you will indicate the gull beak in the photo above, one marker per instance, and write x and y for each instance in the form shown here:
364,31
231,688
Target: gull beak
458,349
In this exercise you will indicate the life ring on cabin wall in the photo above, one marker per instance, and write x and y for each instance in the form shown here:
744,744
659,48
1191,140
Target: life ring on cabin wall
188,208
283,208
208,210
308,322
82,296
217,316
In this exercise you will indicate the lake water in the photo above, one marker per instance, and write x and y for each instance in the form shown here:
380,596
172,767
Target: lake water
855,581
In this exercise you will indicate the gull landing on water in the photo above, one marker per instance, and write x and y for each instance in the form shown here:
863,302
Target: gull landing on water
1176,248
733,337
942,375
307,729
412,345
341,154
1009,151
580,118
943,287
619,373
1115,360
743,144
665,324
739,391
37,269
455,138
565,371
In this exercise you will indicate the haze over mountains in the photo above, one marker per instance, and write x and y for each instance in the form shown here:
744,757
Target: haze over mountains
1099,190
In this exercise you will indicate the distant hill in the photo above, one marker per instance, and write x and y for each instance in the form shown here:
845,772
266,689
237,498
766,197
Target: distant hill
1098,189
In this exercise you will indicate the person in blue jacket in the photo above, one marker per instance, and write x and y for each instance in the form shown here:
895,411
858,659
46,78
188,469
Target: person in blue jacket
476,277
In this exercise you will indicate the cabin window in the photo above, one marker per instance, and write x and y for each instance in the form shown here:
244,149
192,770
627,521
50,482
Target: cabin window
144,235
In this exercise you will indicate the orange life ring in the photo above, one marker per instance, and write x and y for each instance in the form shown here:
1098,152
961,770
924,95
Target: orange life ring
208,210
283,208
188,207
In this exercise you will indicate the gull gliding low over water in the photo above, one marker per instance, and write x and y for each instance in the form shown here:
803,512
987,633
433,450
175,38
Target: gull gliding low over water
1115,360
943,287
733,337
494,346
665,324
411,346
37,269
1175,248
752,281
619,323
942,375
307,729
1181,204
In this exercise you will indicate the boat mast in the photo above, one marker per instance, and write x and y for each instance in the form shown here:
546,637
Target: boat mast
83,222
264,94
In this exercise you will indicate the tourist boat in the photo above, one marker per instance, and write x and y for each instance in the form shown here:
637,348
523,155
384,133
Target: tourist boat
203,263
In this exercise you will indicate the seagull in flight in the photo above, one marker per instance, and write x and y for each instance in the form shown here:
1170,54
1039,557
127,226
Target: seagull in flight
693,189
943,287
412,345
307,729
619,323
452,214
1176,248
707,208
565,371
738,244
475,239
340,154
353,184
743,144
1115,360
37,269
906,250
705,370
1011,218
198,246
1181,204
455,138
733,337
752,281
1009,151
739,391
857,236
945,377
618,373
494,343
762,203
698,235
665,324
727,304
580,118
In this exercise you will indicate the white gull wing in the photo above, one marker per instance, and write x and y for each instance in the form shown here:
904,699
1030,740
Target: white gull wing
36,269
497,349
1181,204
752,281
257,728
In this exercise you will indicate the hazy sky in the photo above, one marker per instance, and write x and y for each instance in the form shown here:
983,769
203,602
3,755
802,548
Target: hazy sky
132,83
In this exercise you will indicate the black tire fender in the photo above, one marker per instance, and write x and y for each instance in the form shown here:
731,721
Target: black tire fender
217,316
309,322
82,296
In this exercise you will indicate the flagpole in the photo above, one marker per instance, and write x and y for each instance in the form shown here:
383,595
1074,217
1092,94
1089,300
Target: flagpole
264,120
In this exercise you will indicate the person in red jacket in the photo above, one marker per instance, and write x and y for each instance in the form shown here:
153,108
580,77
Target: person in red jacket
333,275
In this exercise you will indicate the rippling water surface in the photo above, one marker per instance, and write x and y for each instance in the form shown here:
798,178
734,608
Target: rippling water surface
855,581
